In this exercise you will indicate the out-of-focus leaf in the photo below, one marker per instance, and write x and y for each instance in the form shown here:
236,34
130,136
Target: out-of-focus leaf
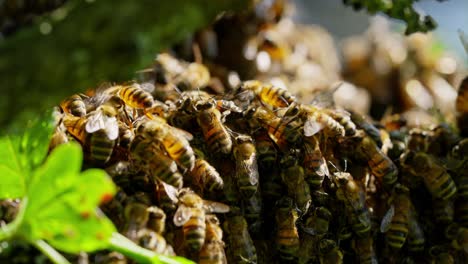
13,180
20,154
90,43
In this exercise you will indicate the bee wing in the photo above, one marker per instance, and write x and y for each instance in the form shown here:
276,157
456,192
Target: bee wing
325,98
182,215
215,207
182,133
387,219
171,191
112,127
95,122
312,127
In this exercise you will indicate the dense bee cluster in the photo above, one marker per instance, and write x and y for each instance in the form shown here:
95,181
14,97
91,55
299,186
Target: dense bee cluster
286,168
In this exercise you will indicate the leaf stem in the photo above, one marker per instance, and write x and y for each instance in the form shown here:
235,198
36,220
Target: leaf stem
8,231
50,252
125,246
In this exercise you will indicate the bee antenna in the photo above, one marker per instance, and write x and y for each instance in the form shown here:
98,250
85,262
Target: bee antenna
332,164
176,89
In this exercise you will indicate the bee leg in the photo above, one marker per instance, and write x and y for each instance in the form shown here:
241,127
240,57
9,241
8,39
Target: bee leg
128,119
148,114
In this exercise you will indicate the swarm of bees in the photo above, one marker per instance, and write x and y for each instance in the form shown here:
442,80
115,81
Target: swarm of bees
221,168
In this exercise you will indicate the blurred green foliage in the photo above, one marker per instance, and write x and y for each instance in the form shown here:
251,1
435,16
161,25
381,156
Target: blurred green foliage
91,42
398,9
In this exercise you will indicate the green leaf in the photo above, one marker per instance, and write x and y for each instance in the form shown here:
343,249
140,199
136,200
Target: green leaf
19,155
55,178
13,179
34,143
63,208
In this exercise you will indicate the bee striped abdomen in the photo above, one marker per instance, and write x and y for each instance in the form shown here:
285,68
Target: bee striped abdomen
441,186
179,149
194,230
164,168
275,96
214,132
101,147
212,253
136,97
218,140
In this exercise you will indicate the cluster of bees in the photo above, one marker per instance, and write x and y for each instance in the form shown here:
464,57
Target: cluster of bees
240,160
224,178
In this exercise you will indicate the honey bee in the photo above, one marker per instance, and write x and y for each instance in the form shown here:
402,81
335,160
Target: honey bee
74,105
126,135
318,221
103,128
136,215
247,174
101,146
186,76
344,118
156,219
315,166
267,153
462,108
443,211
416,238
216,135
205,176
418,139
315,119
105,118
155,242
395,223
282,132
212,251
191,215
352,194
132,95
252,211
174,141
75,126
329,252
240,244
158,165
438,182
364,248
380,164
287,236
293,176
443,139
268,94
371,130
459,236
166,195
